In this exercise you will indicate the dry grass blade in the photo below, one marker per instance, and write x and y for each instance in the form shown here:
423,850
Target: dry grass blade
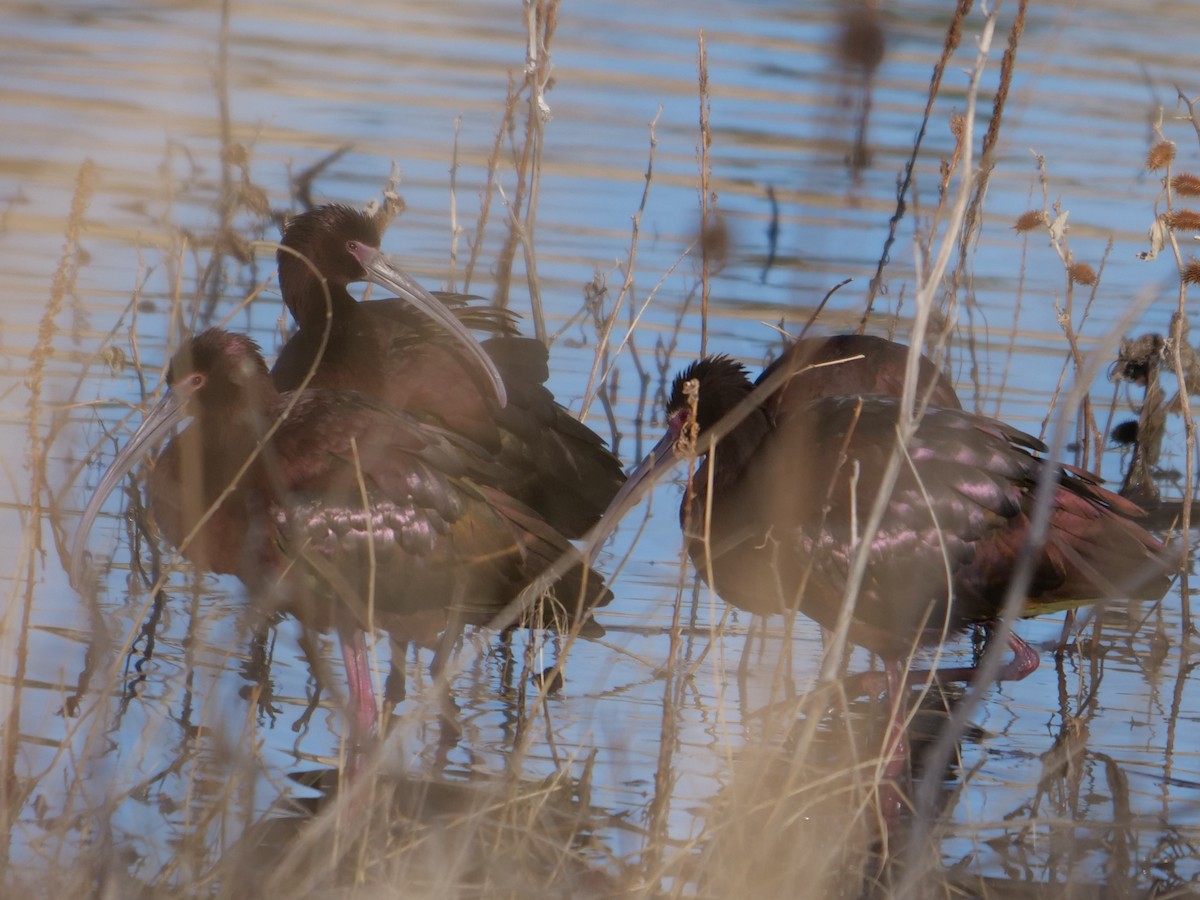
18,614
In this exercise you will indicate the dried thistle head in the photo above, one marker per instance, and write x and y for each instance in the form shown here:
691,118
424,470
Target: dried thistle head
1191,271
1186,184
1082,273
1030,221
1160,155
1183,219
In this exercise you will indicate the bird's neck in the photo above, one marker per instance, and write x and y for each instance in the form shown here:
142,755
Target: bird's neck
194,472
312,300
729,461
231,424
733,453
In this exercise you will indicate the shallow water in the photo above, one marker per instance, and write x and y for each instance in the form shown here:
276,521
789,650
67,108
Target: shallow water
135,89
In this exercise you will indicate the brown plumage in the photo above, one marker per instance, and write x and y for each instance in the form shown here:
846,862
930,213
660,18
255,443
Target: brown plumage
410,361
344,501
795,481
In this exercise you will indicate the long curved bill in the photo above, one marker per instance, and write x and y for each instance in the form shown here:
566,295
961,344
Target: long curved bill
166,414
383,273
658,461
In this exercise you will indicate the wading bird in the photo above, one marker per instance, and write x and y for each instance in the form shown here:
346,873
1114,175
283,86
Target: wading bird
775,514
415,361
794,482
338,509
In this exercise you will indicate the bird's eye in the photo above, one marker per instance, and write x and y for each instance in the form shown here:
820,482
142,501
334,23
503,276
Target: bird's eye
352,246
194,382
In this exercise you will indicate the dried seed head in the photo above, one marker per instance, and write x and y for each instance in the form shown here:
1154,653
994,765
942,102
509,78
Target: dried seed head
1183,219
1082,273
1186,184
235,155
1125,433
1160,155
1191,271
1137,358
1030,221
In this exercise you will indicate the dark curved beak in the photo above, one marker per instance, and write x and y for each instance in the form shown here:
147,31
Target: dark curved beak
383,273
166,414
657,462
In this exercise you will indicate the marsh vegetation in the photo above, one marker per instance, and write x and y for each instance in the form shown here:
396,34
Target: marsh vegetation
640,194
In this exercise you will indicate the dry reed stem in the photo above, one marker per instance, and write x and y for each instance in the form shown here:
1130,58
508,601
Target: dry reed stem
62,285
541,20
493,167
1056,219
664,771
541,17
953,36
1178,338
627,283
928,283
963,274
95,742
456,230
